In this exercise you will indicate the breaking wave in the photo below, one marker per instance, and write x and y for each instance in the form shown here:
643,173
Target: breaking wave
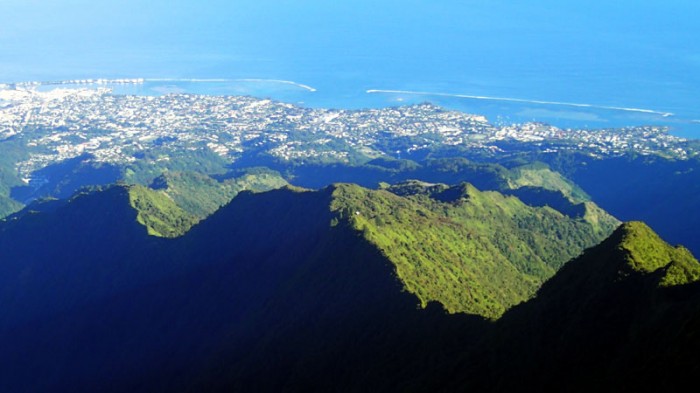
197,80
520,100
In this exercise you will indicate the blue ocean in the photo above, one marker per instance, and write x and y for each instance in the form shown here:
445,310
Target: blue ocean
572,64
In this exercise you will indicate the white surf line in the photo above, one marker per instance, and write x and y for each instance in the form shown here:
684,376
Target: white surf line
506,99
188,80
285,82
300,85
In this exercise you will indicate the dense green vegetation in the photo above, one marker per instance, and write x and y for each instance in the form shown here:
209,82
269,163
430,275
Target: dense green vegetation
646,252
541,176
472,251
201,195
194,192
199,181
152,164
178,200
158,213
534,183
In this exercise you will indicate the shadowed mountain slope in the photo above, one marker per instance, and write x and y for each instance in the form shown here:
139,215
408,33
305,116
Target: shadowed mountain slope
263,295
624,316
295,290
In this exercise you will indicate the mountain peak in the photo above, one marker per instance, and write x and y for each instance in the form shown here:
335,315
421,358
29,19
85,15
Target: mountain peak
611,306
644,249
646,252
635,254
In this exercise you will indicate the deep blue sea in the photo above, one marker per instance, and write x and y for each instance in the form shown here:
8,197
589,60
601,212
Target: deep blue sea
572,64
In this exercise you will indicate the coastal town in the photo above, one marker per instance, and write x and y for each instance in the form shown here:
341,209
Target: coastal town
62,123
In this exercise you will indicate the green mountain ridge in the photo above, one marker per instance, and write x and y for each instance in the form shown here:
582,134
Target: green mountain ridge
261,276
300,290
445,239
437,248
542,176
646,252
201,195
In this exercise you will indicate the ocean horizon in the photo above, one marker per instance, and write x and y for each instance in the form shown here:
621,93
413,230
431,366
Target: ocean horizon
593,65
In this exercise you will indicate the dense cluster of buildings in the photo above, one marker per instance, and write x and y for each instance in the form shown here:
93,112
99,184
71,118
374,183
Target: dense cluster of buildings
68,122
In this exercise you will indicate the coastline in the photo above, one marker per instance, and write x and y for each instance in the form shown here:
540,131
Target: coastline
502,110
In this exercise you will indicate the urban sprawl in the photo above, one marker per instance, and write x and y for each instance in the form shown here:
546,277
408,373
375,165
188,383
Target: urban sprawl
64,123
